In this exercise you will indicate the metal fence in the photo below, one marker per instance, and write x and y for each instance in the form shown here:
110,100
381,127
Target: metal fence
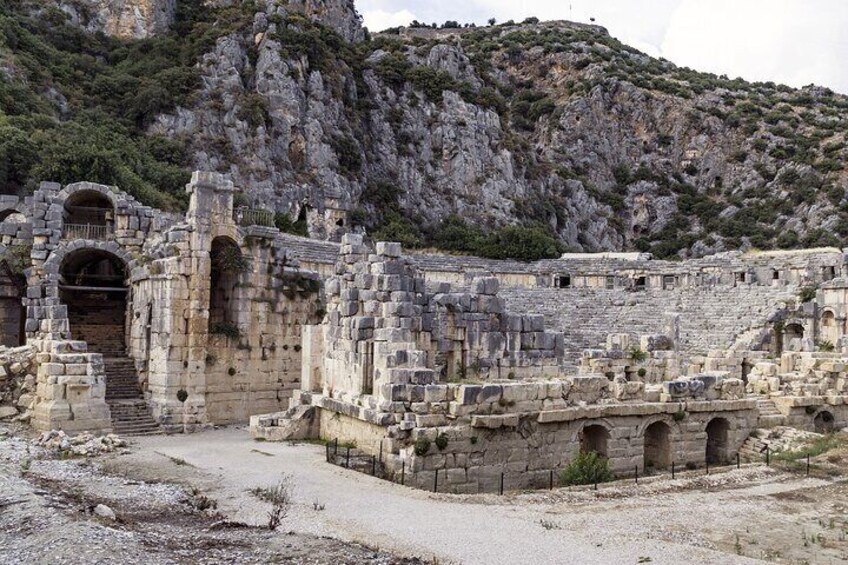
244,216
347,455
86,231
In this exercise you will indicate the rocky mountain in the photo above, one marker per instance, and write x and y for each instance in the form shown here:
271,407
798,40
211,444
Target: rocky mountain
496,140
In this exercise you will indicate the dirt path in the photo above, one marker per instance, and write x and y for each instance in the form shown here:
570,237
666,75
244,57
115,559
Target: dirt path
47,515
720,519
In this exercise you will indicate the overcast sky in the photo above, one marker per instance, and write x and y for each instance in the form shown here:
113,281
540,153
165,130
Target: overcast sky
795,42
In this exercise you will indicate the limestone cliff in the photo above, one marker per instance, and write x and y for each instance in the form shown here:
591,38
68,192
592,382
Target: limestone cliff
551,124
125,19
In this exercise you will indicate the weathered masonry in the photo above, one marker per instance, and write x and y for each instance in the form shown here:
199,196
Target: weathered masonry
117,316
140,320
380,373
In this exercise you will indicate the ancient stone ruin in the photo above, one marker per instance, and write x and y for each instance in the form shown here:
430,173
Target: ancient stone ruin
117,317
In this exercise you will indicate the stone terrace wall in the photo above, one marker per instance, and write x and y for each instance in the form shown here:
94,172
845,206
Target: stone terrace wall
527,449
709,317
774,268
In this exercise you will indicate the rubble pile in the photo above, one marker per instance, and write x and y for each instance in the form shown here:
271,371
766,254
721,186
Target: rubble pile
82,445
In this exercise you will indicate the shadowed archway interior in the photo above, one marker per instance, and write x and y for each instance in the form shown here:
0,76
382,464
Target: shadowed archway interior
92,285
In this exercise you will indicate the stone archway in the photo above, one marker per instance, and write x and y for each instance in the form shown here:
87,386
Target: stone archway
88,214
92,284
657,452
829,329
227,264
594,438
824,422
717,441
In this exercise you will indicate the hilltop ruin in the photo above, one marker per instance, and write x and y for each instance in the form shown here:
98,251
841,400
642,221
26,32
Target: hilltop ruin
119,317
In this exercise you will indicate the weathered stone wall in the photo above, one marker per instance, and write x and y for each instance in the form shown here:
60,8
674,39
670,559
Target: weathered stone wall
526,450
251,363
385,327
70,389
17,382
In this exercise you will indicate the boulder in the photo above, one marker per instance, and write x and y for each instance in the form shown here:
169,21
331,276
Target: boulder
105,512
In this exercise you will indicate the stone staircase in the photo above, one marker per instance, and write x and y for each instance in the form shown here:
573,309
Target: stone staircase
770,416
131,415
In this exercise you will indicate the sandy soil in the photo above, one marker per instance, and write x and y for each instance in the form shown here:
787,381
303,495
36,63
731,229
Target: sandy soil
736,516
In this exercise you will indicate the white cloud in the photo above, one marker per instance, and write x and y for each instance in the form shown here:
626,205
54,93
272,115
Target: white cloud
788,41
791,41
378,20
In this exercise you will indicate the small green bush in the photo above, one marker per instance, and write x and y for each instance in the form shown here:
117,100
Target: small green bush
642,372
422,446
229,259
442,441
586,469
679,416
637,354
225,328
807,294
285,224
825,346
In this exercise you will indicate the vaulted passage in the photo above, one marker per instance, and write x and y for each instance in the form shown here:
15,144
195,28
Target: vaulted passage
93,286
717,441
657,446
12,311
823,423
594,438
792,336
12,287
227,263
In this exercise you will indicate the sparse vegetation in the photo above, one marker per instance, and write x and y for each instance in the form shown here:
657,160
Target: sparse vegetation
280,497
227,329
422,446
586,469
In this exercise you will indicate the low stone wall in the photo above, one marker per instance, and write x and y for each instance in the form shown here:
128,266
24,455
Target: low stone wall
526,448
71,389
800,412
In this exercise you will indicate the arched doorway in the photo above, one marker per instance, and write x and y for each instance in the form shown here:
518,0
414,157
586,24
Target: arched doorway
792,336
657,446
717,441
88,214
227,264
594,438
824,422
829,331
92,284
12,281
12,310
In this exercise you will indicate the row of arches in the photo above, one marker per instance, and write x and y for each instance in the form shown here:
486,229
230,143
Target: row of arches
658,452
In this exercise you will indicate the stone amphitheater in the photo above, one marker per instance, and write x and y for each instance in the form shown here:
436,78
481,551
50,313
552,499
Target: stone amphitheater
119,317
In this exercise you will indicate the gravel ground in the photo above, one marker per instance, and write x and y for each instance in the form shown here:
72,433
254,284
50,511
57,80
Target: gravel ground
47,516
729,517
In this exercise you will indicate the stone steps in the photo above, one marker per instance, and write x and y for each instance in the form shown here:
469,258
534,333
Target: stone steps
132,418
770,416
131,415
